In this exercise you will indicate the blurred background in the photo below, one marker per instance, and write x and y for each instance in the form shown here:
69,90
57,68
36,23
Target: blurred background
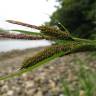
79,16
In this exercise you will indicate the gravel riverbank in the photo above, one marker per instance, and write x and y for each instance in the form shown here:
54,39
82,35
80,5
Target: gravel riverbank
44,81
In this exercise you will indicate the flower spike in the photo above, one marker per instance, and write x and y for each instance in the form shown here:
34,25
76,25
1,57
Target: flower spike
50,31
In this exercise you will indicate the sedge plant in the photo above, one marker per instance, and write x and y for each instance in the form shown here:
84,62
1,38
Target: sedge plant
65,44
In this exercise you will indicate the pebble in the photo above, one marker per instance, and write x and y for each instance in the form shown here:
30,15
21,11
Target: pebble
10,93
29,84
4,88
45,81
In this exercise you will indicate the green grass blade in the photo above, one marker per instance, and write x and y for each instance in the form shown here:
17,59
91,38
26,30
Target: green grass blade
26,32
87,79
66,88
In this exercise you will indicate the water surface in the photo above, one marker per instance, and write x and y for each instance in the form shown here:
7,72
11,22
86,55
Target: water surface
8,45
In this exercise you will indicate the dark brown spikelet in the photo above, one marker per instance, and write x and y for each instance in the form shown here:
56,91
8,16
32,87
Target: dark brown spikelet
21,36
26,37
50,31
68,48
48,52
23,24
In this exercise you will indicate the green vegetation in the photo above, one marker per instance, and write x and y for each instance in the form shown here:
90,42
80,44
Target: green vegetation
79,16
84,83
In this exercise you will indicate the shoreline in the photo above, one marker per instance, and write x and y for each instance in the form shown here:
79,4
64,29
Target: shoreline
14,58
16,52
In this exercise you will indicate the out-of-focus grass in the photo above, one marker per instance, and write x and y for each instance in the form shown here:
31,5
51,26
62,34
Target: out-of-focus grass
86,80
93,55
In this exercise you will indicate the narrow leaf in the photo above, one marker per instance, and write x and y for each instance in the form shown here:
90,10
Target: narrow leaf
26,32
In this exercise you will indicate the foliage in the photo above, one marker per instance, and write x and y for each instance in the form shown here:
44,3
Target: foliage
79,16
85,81
64,44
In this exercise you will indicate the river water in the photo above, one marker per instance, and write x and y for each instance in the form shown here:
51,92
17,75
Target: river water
8,45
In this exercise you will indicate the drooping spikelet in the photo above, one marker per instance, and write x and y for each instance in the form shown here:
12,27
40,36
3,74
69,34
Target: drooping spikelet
23,24
28,37
70,47
50,31
48,52
21,36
